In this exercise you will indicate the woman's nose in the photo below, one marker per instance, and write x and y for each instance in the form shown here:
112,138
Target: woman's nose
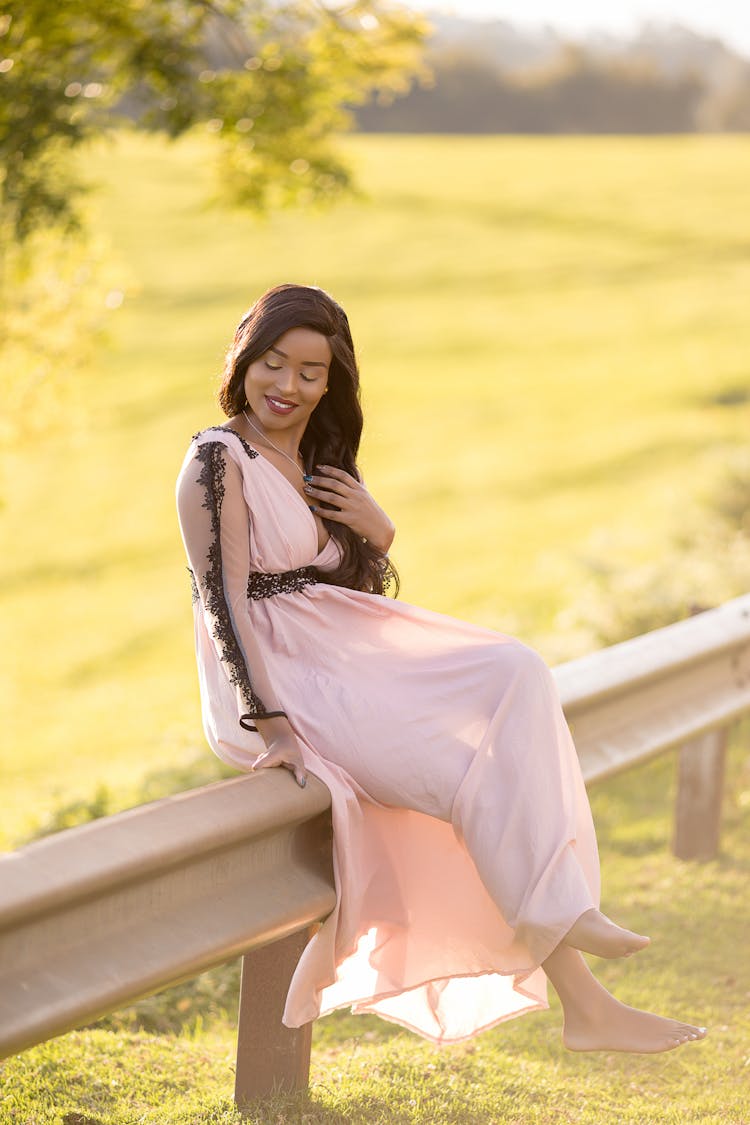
287,380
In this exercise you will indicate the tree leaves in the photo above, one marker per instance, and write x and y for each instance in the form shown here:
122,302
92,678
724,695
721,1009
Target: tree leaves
272,81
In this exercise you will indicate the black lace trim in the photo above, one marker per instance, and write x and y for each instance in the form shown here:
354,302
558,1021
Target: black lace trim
262,585
225,430
388,576
212,457
193,586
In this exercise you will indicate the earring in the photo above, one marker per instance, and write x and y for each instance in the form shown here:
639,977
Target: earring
325,392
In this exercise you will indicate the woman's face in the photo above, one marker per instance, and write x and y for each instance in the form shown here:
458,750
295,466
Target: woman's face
287,382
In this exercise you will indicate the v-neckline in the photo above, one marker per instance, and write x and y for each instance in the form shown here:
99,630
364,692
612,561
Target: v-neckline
286,480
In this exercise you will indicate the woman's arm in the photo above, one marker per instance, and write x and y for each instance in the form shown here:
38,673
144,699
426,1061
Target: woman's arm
214,522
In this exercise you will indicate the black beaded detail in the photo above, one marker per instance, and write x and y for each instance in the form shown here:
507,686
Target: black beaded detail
225,430
193,586
212,456
262,585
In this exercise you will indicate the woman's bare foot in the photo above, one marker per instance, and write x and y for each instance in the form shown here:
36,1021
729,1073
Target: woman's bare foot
595,933
617,1027
594,1021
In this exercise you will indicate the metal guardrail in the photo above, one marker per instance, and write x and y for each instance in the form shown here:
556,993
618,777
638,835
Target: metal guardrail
657,691
680,686
96,917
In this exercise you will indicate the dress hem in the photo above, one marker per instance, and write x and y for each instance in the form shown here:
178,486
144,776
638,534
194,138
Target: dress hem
367,1005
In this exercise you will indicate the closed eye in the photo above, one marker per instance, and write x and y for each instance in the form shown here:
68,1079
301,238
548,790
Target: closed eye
278,367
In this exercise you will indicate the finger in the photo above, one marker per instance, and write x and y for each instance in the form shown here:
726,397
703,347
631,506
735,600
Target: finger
270,758
339,474
298,771
266,759
330,514
322,493
337,488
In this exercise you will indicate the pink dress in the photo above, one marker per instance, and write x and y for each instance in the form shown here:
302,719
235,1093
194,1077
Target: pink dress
463,843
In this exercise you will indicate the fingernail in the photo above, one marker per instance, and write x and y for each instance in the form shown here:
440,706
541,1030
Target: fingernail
302,782
307,477
312,507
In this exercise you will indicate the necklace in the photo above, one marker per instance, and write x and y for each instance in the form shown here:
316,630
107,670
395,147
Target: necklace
273,446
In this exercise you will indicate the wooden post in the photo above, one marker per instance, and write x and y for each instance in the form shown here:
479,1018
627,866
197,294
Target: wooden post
700,783
270,1057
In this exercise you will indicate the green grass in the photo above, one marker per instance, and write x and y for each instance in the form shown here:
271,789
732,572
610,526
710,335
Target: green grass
367,1072
550,332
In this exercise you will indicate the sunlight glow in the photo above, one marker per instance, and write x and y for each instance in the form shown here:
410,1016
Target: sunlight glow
722,18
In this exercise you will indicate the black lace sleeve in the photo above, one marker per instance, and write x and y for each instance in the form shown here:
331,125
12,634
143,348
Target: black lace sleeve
214,522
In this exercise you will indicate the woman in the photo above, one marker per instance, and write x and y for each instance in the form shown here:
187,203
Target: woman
464,853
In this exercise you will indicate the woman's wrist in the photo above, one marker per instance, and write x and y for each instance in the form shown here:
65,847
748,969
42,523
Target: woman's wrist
272,729
383,543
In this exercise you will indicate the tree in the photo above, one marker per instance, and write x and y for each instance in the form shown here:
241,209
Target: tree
270,78
574,92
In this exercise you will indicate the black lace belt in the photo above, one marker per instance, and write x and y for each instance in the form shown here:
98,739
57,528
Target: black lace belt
261,585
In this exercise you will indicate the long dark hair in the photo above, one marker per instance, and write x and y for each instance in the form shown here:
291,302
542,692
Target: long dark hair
334,429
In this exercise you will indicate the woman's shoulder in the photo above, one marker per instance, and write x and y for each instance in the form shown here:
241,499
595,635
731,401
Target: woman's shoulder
224,434
203,451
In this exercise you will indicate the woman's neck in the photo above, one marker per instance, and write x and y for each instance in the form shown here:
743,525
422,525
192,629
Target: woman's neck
286,441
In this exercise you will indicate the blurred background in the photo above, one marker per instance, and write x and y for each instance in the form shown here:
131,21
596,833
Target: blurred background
537,221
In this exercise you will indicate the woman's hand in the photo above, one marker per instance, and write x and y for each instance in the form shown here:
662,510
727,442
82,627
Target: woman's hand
354,506
282,749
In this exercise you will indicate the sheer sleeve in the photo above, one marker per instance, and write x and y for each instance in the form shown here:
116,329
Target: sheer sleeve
214,522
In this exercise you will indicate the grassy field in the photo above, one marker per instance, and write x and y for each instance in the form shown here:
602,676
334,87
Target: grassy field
366,1072
553,335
